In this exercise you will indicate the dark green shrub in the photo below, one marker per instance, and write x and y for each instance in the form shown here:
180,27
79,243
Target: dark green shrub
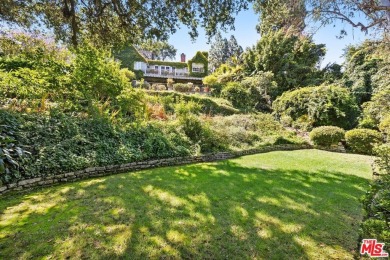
62,143
318,106
96,74
327,135
376,201
362,140
237,94
377,109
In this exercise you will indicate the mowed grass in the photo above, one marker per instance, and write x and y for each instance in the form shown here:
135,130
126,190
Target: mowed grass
278,205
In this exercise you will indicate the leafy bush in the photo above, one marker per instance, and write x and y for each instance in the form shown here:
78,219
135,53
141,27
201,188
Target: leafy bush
142,84
237,94
97,74
327,135
362,140
260,88
263,82
209,105
376,202
246,131
63,143
318,106
181,87
196,130
291,58
210,80
384,127
132,103
377,109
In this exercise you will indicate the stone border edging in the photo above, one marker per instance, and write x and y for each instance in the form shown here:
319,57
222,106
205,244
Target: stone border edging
141,165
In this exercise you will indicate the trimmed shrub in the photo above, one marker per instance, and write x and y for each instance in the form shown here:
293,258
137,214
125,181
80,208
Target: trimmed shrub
180,87
327,135
362,140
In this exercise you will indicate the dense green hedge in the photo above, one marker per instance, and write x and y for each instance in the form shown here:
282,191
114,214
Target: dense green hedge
317,106
327,135
362,140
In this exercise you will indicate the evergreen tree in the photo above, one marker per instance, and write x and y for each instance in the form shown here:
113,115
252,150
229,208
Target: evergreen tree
234,50
223,51
219,52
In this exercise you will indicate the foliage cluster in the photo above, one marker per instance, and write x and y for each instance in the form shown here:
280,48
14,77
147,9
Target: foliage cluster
317,106
246,131
327,135
209,106
362,141
62,143
291,58
376,202
182,87
224,51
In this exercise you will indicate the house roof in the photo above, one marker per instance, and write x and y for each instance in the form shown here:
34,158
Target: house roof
176,64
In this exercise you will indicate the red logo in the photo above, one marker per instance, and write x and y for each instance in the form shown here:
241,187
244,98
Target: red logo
372,248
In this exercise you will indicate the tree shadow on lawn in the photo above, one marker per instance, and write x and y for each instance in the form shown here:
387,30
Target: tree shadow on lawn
215,210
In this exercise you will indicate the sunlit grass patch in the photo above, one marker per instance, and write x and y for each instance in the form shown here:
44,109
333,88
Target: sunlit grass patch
278,205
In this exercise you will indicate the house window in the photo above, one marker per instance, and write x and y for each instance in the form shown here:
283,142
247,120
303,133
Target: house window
197,70
156,67
198,67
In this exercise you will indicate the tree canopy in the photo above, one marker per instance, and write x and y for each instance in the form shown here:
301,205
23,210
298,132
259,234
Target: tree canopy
291,58
277,14
158,50
109,22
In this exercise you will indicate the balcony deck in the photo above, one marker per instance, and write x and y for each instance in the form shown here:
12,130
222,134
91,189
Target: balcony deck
171,75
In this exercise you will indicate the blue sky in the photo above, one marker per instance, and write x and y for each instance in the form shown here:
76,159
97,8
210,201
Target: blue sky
246,35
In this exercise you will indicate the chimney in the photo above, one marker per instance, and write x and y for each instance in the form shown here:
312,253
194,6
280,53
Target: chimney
183,57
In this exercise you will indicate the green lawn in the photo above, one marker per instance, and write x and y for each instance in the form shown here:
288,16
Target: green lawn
278,205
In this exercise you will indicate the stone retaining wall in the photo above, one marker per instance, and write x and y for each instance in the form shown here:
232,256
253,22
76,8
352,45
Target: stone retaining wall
134,166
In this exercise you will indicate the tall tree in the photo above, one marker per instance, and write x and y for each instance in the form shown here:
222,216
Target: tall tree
280,14
109,22
234,50
223,51
159,50
291,58
219,52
